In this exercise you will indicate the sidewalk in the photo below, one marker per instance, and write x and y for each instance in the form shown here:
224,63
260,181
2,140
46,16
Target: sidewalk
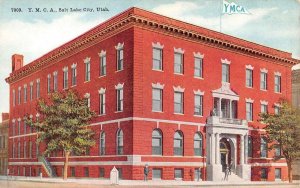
91,181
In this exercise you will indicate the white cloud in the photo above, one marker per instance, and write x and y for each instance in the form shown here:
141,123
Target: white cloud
34,39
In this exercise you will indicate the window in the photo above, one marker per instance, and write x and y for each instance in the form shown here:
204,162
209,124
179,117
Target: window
264,108
103,65
19,95
156,99
249,78
156,173
263,80
120,99
156,142
49,83
198,105
276,110
102,143
278,173
178,63
198,72
72,169
25,147
264,174
120,173
249,111
87,69
277,150
13,150
198,144
74,74
101,172
37,150
250,146
120,57
38,88
65,77
31,91
120,142
178,173
25,127
87,97
225,72
14,97
30,149
13,127
25,93
178,102
178,143
277,84
102,101
157,59
263,147
55,81
86,172
19,127
19,150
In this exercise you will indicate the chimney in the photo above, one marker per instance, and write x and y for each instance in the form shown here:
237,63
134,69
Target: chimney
17,62
5,116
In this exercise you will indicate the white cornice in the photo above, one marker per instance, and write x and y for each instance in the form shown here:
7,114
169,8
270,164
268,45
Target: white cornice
157,45
87,60
158,85
249,67
101,90
87,95
264,70
198,55
198,92
102,53
249,100
179,50
178,88
225,61
119,86
277,73
119,46
74,65
263,102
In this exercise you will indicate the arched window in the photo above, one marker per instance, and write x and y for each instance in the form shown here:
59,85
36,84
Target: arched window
120,142
198,144
156,142
102,143
250,146
178,143
263,147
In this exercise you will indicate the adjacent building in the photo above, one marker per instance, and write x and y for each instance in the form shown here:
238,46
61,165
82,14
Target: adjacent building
181,98
4,143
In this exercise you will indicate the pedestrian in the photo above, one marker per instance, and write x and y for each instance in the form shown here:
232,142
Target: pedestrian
230,167
226,172
146,172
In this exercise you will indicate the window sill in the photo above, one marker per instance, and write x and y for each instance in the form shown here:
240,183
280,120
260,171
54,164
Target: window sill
101,76
157,111
179,74
249,87
178,113
73,86
263,90
101,115
118,111
277,92
199,78
118,70
198,115
86,81
157,70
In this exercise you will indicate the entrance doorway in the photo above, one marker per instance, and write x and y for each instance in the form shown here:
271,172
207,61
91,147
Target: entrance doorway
225,152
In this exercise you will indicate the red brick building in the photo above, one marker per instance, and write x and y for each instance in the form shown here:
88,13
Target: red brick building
181,98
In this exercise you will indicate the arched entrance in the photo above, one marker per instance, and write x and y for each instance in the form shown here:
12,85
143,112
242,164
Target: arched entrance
226,152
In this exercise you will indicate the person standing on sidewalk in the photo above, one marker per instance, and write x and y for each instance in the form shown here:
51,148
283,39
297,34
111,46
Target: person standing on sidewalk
226,172
146,172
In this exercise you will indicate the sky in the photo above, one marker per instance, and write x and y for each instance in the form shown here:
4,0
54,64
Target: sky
273,23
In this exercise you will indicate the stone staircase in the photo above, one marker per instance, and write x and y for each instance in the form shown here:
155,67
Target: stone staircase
235,178
47,166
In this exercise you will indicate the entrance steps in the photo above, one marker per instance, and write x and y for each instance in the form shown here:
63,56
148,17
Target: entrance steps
234,178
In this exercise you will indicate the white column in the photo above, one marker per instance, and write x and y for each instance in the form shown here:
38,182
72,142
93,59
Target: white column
220,102
246,148
217,149
213,150
242,153
230,109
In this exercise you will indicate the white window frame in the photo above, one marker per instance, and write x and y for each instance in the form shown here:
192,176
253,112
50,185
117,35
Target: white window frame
65,78
103,63
249,78
102,101
74,74
120,56
249,110
180,53
49,83
25,93
38,88
198,70
120,97
87,76
55,86
14,97
31,91
263,79
277,83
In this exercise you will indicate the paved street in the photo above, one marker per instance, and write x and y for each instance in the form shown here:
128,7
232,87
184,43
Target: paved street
28,184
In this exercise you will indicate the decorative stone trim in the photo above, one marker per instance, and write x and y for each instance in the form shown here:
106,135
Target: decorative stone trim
178,50
31,83
225,61
65,69
101,90
49,76
37,115
198,92
264,102
55,73
277,73
13,120
198,55
264,70
87,95
102,53
25,85
119,86
119,46
277,104
178,88
38,80
249,67
87,60
249,100
31,116
158,85
157,45
74,65
19,88
19,119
